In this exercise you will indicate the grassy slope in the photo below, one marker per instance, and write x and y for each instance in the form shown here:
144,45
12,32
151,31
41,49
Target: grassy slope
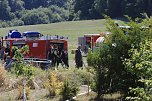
72,29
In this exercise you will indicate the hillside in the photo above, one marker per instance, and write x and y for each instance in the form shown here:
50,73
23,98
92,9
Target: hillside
22,12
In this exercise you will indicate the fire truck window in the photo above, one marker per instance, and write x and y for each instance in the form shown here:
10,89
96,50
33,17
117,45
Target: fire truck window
88,42
58,46
19,45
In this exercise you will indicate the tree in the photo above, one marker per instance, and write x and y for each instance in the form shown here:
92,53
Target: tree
83,6
133,8
16,5
108,60
140,64
39,18
149,6
111,8
20,68
4,10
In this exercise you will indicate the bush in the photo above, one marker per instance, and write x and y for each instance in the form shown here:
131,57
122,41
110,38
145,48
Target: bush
14,22
58,14
24,70
53,85
35,17
17,22
3,24
69,90
89,58
76,76
71,79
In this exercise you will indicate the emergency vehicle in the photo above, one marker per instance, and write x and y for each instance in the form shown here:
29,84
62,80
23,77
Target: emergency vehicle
39,45
90,41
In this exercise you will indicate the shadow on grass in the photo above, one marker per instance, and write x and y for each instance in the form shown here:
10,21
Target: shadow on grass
108,98
102,99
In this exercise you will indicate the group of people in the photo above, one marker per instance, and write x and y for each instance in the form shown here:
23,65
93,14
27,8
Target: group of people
58,55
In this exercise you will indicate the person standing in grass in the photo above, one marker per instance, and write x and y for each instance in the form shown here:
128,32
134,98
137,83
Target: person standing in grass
65,58
78,58
2,52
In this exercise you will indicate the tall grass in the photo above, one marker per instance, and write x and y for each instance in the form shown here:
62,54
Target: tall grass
2,75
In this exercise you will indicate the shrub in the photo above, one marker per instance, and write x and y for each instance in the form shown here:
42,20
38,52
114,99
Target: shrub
89,58
69,90
39,17
83,76
17,22
23,69
4,24
53,85
77,76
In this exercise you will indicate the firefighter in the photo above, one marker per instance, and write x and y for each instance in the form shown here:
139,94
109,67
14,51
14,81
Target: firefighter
78,58
64,58
58,57
50,55
2,52
54,56
8,63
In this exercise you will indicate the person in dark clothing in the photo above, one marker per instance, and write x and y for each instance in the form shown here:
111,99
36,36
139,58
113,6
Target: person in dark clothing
50,56
58,58
54,56
78,58
2,52
64,58
8,63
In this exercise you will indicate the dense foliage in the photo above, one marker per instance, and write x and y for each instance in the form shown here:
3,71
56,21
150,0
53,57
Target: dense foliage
69,90
26,12
140,64
20,67
111,72
92,9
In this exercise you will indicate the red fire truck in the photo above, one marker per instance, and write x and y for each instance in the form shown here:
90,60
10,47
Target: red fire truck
91,41
39,45
88,41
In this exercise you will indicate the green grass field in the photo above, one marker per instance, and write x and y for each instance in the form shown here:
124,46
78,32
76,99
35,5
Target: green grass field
72,29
